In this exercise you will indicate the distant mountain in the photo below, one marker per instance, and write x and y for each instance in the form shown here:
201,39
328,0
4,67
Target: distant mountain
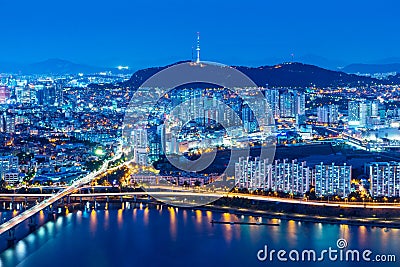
322,62
285,75
302,75
387,60
54,66
59,66
372,68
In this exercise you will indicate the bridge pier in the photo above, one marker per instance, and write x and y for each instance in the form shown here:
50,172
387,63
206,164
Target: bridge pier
108,199
32,224
134,198
11,238
50,215
121,199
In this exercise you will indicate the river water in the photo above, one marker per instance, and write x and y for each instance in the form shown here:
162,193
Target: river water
165,236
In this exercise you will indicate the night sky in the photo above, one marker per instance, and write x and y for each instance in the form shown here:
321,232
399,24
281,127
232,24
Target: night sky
148,33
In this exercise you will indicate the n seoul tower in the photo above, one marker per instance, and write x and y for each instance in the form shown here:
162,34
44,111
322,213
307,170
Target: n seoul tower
198,48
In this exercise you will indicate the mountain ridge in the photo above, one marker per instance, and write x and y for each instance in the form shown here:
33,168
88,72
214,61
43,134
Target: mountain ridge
289,74
372,68
293,74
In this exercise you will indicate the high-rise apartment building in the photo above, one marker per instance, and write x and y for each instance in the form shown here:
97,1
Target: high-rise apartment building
332,180
384,178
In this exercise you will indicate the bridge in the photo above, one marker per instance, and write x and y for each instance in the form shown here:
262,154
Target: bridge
10,224
189,193
162,192
70,191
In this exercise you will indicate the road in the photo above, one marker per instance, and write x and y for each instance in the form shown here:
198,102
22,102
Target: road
215,195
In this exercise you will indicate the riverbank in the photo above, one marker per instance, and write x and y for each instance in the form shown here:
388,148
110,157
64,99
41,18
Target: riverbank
371,222
304,213
268,208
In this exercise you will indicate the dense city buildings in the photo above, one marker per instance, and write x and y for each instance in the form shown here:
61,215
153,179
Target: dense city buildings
332,180
384,178
51,126
363,113
291,103
54,124
328,114
253,173
293,177
9,169
290,176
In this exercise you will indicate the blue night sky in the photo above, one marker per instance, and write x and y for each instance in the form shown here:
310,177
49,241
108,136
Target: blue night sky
148,33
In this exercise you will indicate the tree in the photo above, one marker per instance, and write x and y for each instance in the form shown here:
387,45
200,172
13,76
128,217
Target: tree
311,194
93,165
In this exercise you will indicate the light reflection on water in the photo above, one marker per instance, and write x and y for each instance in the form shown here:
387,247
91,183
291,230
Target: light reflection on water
184,217
120,218
106,218
41,217
78,217
209,218
227,228
180,233
146,216
172,223
93,222
134,214
292,232
199,216
20,249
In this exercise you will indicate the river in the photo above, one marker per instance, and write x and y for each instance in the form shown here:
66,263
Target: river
164,236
